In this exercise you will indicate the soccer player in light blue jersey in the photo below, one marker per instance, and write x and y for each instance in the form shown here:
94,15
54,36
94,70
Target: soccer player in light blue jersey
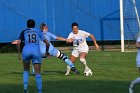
52,50
31,52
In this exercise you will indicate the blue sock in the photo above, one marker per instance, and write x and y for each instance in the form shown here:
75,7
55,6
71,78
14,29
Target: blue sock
39,83
66,59
25,79
68,62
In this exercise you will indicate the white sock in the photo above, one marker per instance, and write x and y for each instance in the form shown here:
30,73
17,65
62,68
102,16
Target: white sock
33,70
84,62
136,81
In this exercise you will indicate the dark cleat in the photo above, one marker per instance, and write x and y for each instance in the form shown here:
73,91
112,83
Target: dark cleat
75,70
25,91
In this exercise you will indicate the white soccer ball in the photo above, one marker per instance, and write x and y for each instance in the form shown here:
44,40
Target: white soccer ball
88,72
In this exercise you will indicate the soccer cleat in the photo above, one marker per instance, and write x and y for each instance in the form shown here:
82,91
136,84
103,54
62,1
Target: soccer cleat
68,70
25,91
67,73
131,88
75,70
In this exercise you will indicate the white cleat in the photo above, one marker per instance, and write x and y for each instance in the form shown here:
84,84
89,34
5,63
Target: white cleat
131,90
68,70
67,74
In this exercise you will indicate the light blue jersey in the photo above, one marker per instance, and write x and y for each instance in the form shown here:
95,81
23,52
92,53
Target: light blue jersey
31,49
52,50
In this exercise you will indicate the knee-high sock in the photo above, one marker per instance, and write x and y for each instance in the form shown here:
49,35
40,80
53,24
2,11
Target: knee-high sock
68,62
136,81
39,83
64,58
25,79
84,62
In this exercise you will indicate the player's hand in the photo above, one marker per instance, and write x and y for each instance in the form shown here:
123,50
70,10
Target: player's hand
47,54
69,40
15,42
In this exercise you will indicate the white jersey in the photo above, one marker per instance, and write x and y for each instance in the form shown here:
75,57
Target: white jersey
79,40
138,55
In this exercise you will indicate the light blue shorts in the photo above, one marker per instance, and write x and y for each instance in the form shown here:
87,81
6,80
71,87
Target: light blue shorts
34,56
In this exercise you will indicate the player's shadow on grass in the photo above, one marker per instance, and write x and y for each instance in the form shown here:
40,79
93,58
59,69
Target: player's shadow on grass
71,86
44,72
50,72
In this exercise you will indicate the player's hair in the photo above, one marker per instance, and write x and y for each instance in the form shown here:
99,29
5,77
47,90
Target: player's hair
74,24
30,23
42,25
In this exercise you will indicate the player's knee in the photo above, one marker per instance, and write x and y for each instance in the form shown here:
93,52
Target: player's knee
62,56
58,53
82,60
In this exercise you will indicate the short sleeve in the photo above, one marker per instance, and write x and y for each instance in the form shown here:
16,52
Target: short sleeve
86,34
138,40
70,36
41,35
21,37
53,36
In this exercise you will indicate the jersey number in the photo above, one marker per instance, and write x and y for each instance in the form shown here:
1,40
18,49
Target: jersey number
32,38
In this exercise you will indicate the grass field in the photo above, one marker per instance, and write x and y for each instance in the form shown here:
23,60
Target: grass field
113,72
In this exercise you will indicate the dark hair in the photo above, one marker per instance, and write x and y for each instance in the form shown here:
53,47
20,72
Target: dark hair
74,24
30,23
42,25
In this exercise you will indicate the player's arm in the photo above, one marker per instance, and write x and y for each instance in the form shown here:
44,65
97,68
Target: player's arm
47,46
94,40
61,38
70,38
18,49
45,41
20,39
17,43
137,44
57,38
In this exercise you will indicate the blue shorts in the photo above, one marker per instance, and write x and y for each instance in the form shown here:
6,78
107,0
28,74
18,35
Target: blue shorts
34,56
52,51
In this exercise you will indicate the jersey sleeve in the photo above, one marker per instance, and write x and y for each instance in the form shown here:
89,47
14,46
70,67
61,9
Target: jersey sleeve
70,36
138,40
21,37
41,35
53,36
86,34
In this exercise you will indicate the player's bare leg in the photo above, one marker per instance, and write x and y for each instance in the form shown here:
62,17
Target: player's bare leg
73,59
83,59
26,66
133,83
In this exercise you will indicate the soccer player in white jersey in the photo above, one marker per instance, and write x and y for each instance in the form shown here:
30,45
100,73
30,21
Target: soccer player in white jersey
80,47
54,52
137,80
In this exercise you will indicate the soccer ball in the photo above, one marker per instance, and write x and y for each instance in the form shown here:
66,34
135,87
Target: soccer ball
88,72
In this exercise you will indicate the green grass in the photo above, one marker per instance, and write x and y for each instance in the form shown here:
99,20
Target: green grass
113,72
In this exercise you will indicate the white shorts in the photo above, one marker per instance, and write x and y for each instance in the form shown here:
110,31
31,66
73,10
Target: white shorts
76,51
